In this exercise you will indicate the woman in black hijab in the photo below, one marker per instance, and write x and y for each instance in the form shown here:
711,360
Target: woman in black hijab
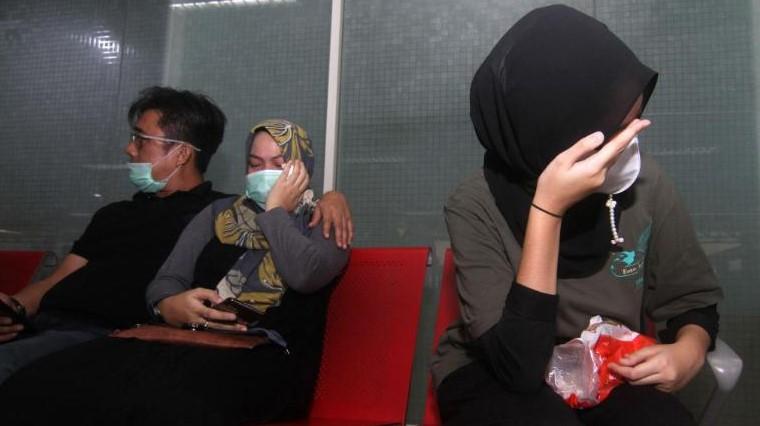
567,221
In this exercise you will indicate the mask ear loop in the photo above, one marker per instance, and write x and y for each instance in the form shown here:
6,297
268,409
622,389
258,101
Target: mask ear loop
616,238
189,156
176,169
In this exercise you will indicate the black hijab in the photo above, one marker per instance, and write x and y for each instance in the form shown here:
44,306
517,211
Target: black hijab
556,76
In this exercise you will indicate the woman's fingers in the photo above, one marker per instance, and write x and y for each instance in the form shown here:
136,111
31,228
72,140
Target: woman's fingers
612,149
639,375
635,373
299,180
642,355
301,176
285,175
191,308
582,149
204,298
217,315
205,294
652,365
289,186
290,171
581,169
293,172
220,320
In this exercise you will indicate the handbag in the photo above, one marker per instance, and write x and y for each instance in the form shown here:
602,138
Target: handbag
177,336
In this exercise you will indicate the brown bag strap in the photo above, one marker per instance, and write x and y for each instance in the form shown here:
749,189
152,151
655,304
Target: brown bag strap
173,335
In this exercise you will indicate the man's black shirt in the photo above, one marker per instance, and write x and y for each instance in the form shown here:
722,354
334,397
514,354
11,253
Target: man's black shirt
125,244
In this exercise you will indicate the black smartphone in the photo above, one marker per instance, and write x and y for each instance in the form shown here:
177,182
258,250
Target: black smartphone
8,311
243,310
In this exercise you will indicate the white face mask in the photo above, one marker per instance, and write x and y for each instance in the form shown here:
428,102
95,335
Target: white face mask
624,172
259,184
141,175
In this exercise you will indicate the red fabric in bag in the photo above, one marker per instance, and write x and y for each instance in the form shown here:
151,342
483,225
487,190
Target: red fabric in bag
610,350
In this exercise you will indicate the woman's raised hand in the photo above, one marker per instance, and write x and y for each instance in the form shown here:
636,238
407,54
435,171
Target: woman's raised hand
289,186
192,307
579,170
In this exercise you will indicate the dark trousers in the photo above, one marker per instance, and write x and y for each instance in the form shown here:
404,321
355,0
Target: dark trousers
471,396
53,333
112,381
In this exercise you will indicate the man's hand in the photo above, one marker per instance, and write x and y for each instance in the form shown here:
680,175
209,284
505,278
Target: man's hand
333,211
289,186
670,367
190,307
8,330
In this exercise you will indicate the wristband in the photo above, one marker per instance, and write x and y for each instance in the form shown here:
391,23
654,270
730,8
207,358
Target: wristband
558,216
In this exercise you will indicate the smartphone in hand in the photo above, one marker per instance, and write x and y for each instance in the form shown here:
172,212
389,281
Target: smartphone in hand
8,311
243,310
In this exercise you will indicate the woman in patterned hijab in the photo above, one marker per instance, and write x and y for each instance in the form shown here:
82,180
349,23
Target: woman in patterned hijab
274,147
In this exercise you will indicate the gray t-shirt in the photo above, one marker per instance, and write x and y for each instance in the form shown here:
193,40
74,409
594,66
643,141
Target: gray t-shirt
660,270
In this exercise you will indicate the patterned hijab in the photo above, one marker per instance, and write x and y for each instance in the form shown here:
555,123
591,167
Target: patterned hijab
556,76
290,137
253,278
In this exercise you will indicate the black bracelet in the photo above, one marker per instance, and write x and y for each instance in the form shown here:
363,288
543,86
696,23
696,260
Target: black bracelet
558,216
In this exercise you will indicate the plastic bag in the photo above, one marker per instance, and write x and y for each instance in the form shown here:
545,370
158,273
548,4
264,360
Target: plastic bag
578,369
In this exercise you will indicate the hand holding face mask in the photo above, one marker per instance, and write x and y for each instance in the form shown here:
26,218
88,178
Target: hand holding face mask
623,173
259,184
278,188
583,168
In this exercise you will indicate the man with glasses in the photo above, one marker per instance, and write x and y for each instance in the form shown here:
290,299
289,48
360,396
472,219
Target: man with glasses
100,285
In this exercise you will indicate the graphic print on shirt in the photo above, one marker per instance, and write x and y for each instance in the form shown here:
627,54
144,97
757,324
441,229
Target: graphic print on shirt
629,264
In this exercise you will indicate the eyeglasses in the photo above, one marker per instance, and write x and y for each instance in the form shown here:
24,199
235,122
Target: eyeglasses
139,139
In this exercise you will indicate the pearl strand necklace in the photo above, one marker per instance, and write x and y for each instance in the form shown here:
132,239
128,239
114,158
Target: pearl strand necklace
616,239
